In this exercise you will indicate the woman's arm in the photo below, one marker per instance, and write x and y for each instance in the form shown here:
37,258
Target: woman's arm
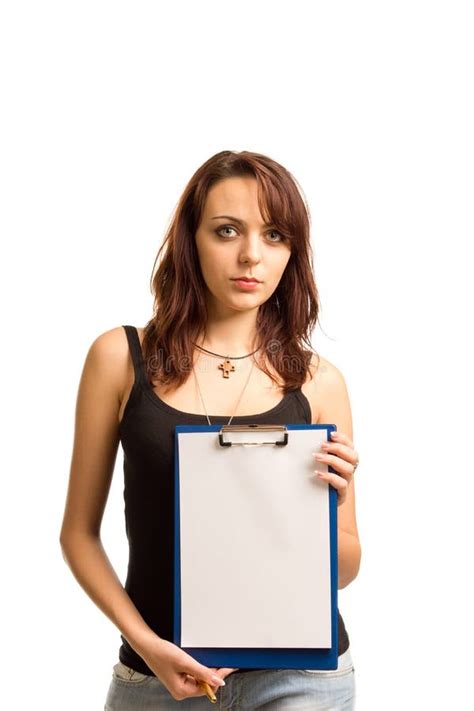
330,405
348,557
94,453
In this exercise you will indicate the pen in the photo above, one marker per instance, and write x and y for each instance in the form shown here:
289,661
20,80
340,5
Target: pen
210,694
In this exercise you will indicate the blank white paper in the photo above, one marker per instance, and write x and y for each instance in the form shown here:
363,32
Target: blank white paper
254,542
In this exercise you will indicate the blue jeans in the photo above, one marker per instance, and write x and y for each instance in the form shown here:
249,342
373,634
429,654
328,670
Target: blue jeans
268,690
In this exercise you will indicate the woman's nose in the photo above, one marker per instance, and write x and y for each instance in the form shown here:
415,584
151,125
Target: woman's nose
251,248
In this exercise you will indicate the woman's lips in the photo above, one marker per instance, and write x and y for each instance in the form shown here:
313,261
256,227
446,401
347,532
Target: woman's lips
246,285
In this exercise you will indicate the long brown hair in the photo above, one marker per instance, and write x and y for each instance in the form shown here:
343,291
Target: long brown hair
284,322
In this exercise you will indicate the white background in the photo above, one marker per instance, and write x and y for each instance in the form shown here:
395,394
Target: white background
107,110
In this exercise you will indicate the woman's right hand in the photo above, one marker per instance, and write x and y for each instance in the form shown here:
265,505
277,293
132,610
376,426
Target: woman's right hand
180,672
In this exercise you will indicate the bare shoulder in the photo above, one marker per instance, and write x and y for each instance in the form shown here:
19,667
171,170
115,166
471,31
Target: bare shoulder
112,346
324,387
109,353
113,342
323,372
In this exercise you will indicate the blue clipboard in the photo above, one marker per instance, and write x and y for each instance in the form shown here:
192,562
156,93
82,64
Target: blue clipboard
260,658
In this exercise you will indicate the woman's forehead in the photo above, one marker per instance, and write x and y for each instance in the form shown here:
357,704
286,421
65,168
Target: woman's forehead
235,197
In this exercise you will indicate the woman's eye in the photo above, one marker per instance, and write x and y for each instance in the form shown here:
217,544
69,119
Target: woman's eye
277,233
228,227
224,228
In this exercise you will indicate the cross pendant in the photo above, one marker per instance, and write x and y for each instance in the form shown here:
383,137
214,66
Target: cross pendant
226,368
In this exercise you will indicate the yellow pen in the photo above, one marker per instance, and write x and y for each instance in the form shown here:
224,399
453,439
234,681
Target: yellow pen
210,694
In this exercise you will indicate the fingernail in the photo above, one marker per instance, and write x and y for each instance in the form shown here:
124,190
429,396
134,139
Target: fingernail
333,434
217,680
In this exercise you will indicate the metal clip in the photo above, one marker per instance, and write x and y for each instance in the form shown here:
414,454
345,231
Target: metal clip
253,428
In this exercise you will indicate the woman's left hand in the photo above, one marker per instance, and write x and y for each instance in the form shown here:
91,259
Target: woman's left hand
344,460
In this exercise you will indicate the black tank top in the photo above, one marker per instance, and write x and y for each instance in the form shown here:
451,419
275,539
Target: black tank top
147,436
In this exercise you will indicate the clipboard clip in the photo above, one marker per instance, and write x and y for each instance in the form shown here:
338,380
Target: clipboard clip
229,429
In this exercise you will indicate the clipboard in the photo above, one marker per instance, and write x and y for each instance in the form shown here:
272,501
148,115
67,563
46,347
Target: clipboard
273,604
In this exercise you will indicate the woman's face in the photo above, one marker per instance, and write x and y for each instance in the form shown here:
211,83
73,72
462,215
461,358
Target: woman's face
239,244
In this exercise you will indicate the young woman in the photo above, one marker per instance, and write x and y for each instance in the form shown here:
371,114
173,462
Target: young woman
217,350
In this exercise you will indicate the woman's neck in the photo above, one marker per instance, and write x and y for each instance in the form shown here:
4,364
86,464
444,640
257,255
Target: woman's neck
229,338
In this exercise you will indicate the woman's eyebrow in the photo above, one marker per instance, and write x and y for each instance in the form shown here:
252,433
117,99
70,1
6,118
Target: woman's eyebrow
236,219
